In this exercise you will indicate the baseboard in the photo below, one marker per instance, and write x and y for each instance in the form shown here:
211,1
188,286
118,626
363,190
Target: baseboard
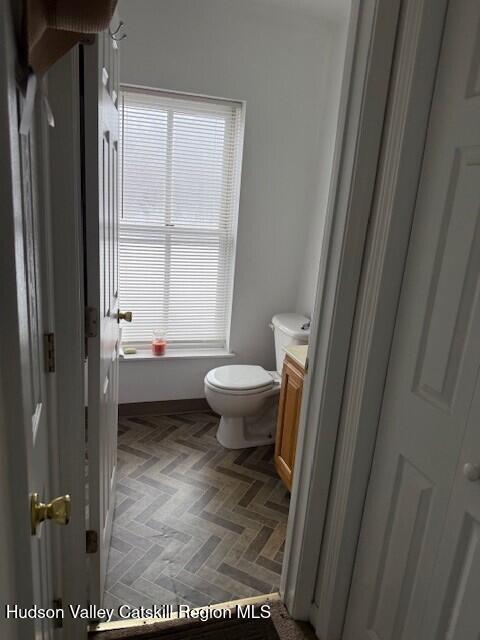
163,407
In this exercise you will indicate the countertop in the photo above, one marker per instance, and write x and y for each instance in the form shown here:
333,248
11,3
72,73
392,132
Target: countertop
298,353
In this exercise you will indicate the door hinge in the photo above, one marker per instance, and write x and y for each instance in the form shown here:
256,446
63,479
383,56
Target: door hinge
58,620
91,322
49,352
91,541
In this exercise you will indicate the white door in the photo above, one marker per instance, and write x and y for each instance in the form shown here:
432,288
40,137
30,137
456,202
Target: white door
101,197
40,448
453,610
24,285
403,564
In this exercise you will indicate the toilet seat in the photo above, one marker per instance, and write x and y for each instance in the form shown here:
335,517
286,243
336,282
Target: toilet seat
240,379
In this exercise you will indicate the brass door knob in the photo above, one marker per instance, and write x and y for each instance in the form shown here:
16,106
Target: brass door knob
124,315
57,510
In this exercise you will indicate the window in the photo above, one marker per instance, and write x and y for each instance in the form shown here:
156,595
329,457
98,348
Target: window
181,163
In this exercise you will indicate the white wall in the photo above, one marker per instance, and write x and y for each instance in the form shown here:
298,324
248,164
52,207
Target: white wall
281,62
320,189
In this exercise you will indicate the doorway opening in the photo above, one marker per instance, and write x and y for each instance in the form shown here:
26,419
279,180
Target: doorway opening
223,196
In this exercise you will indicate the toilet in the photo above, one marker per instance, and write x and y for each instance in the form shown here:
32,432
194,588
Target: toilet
246,395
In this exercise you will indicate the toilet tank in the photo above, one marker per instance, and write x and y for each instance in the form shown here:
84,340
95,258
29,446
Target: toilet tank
287,330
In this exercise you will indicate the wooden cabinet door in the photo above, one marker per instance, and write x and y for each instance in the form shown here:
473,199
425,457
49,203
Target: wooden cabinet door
288,418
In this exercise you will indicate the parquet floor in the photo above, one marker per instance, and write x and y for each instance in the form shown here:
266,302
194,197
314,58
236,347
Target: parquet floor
194,523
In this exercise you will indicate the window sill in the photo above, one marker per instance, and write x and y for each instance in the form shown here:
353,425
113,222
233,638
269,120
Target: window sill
176,354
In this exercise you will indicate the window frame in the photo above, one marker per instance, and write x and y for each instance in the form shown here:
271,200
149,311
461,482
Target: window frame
198,346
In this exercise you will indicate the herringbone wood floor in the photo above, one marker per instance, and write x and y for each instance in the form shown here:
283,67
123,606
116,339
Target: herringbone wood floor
194,523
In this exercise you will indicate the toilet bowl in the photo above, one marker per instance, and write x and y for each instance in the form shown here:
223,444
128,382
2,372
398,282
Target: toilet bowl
246,396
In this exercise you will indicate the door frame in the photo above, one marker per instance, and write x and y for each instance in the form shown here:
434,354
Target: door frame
357,302
65,200
365,85
412,87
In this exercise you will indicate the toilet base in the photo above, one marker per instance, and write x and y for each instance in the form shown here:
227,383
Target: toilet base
241,433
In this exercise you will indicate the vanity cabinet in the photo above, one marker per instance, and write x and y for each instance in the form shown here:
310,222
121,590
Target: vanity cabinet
288,418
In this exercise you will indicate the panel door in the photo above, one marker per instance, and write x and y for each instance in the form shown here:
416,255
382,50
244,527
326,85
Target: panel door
30,294
101,60
434,362
288,418
31,277
453,610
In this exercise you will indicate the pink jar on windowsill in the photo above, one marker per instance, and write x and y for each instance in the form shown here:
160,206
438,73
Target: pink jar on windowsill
159,343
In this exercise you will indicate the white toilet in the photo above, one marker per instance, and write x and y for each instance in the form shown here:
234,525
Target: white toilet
246,395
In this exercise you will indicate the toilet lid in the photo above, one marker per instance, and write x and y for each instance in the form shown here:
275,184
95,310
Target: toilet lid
240,376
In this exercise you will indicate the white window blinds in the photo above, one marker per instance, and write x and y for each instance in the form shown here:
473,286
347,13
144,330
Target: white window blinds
181,162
